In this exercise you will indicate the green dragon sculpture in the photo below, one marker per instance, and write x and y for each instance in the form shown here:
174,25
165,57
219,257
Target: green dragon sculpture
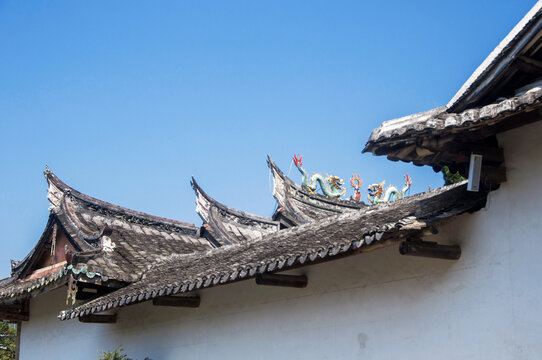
331,186
376,193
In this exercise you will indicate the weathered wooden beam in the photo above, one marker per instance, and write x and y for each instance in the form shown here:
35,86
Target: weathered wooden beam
492,175
528,65
89,291
298,281
532,61
98,319
15,312
9,316
491,154
192,301
430,249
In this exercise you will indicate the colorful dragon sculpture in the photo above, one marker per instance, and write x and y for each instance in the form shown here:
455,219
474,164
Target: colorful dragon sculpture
376,192
331,185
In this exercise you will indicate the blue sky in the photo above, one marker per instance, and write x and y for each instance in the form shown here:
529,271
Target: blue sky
126,100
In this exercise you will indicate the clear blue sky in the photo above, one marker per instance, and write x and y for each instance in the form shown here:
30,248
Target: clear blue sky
125,100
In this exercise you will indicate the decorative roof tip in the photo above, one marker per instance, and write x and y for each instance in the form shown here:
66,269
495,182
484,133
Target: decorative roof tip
194,184
56,189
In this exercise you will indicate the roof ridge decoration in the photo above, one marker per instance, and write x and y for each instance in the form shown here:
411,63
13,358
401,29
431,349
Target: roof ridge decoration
356,182
376,193
57,190
229,225
330,186
301,205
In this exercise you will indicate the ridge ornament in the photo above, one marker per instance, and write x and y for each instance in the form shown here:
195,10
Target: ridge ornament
376,192
356,182
330,186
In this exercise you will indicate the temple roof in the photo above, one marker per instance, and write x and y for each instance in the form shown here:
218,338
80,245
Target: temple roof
224,225
332,237
298,206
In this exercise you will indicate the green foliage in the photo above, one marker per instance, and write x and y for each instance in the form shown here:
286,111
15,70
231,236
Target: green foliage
8,341
114,355
450,178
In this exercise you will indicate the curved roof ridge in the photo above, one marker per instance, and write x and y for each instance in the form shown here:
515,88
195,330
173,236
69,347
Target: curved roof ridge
60,185
228,209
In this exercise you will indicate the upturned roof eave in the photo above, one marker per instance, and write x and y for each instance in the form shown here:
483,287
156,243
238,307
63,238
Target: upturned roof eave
51,177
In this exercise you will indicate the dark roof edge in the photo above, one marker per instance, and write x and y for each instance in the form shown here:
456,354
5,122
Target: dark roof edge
51,177
22,265
499,59
399,123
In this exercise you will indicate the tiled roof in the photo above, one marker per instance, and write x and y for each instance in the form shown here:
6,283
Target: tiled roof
334,236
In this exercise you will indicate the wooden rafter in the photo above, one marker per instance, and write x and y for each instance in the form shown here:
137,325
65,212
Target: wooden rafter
181,301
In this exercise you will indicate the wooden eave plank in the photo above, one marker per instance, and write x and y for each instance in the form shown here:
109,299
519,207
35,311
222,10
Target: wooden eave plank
181,301
99,319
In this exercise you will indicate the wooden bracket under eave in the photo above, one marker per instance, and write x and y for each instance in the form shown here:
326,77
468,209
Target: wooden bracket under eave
98,319
430,249
297,281
182,301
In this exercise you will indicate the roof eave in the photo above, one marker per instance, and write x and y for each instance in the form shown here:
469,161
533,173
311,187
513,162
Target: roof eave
491,69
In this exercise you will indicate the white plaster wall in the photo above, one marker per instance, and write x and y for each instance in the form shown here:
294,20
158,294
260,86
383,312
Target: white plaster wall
377,305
